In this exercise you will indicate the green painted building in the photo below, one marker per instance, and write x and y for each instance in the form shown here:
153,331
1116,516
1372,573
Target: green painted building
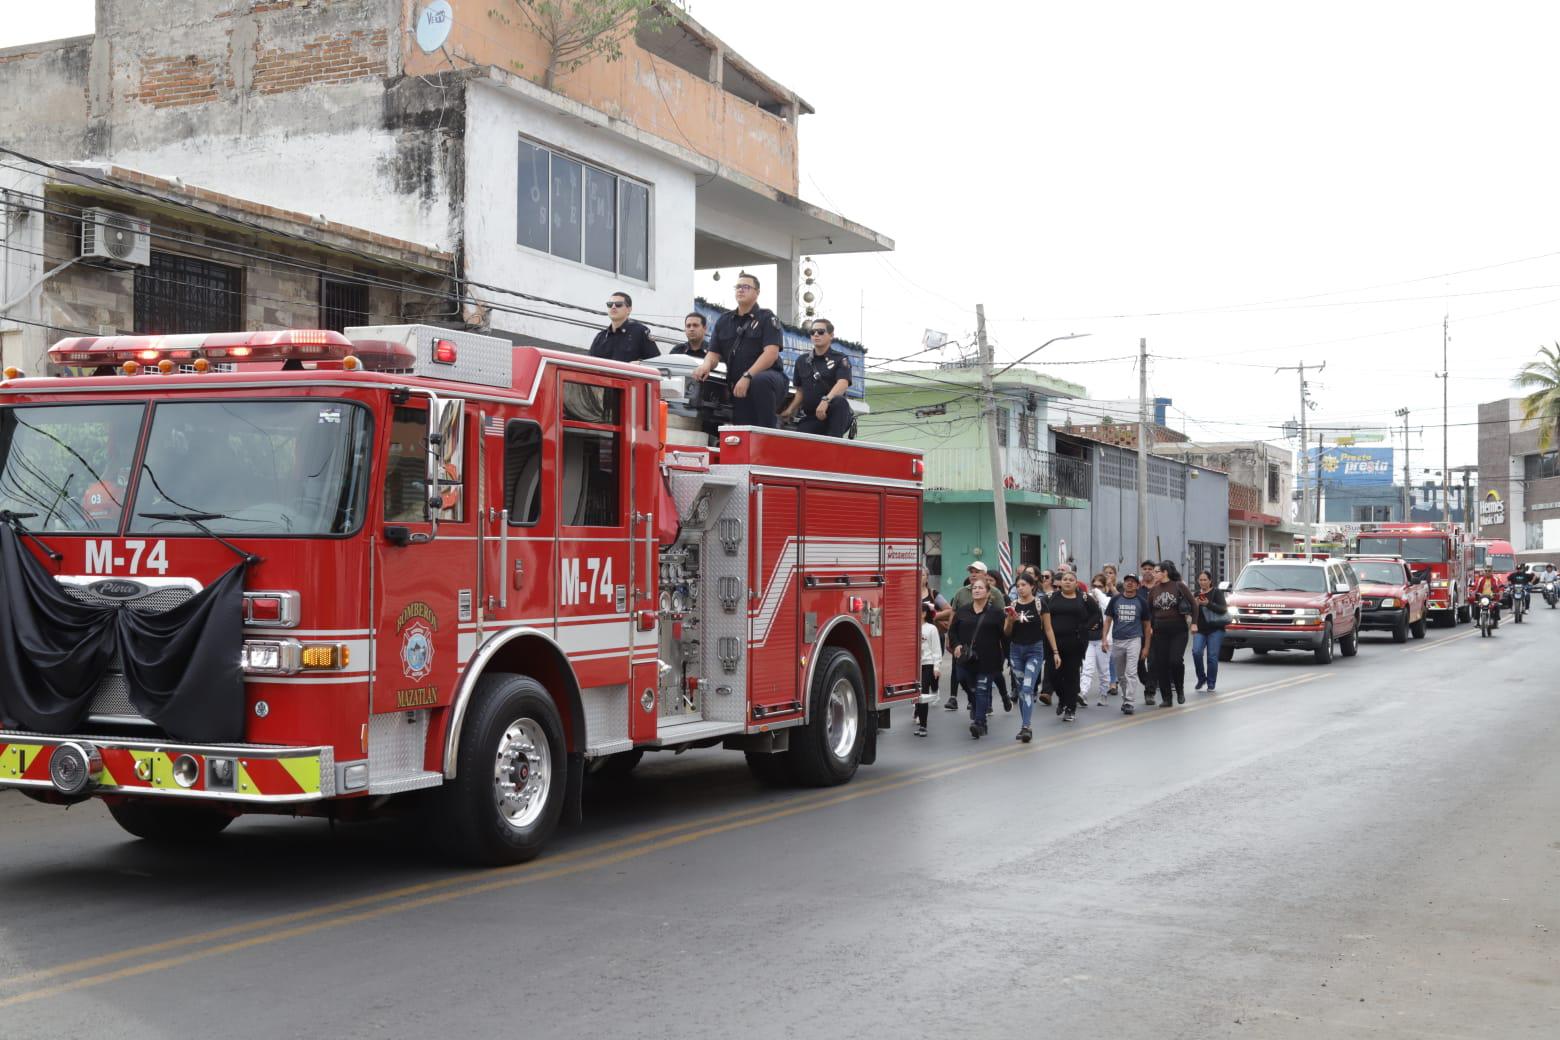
939,412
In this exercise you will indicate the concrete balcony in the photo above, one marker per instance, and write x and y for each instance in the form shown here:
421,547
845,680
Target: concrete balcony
1033,476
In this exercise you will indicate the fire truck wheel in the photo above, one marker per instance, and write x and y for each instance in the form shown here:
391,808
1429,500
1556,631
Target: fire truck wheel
827,750
169,824
505,800
771,768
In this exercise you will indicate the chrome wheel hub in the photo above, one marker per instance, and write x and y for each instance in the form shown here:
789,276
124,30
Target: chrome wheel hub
522,773
842,718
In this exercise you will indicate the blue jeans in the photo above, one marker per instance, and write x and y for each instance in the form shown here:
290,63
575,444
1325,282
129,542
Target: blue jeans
980,702
1026,660
1205,655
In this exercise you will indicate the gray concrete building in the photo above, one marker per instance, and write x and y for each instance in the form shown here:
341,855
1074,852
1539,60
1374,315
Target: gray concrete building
92,252
1188,511
1519,485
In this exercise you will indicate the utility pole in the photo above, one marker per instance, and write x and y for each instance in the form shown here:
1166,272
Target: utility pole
1408,476
998,491
1142,459
1446,473
1305,483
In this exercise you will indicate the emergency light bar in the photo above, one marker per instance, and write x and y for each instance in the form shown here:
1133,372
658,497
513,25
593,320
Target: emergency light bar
231,347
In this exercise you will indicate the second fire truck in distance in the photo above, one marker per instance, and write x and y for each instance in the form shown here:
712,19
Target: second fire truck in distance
1443,550
417,564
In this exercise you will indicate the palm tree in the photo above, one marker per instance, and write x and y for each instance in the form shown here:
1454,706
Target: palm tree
1542,377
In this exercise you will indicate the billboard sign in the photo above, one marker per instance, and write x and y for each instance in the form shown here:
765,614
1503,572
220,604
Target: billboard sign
1353,467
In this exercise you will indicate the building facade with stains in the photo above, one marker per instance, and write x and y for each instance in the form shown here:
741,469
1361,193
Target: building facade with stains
630,174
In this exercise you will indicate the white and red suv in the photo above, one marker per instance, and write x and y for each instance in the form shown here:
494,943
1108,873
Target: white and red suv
1286,601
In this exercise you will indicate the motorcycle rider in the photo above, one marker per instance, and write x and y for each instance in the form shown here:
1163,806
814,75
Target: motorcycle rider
1484,585
1520,577
1547,581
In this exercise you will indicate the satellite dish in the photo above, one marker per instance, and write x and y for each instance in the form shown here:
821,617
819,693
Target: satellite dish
434,23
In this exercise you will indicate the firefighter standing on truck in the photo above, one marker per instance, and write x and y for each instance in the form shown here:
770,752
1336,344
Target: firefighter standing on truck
821,379
625,339
748,340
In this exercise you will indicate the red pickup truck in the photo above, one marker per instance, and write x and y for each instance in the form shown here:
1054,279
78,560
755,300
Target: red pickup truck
1393,595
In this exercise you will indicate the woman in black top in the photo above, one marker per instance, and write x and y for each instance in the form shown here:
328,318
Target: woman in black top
1069,613
976,637
1211,615
1170,603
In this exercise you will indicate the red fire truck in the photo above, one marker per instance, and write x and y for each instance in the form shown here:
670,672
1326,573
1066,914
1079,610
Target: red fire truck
1442,549
306,573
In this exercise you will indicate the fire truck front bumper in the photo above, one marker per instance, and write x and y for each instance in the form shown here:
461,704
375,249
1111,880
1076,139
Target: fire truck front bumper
79,767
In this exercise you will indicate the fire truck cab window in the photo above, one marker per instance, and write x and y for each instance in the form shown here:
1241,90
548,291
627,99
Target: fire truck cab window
262,468
592,463
523,472
406,472
68,466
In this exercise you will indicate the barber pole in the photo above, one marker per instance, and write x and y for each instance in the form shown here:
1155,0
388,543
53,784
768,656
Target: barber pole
1005,564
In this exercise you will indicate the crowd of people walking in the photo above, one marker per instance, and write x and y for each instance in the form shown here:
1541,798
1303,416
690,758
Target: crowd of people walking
1052,637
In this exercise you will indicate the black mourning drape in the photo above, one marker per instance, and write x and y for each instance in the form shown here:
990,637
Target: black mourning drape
182,665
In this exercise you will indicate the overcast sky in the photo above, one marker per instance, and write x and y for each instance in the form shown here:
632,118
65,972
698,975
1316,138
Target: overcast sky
1246,185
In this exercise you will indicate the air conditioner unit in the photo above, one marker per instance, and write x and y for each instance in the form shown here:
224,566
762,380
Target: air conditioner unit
114,239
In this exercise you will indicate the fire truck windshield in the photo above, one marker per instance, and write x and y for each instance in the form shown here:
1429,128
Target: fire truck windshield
1381,572
260,468
68,465
1280,577
1415,550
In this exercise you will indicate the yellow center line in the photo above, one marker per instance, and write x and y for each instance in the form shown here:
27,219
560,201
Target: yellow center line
1443,642
347,912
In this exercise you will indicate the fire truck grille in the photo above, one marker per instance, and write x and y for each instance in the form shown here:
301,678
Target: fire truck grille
111,699
154,602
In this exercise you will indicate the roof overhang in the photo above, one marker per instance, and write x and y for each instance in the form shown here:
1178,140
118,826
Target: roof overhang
89,182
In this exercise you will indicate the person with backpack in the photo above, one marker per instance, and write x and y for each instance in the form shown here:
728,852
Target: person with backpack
1211,616
1171,604
1069,616
1025,630
976,636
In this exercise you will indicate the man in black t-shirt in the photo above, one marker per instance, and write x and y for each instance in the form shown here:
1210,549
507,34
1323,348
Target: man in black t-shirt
695,347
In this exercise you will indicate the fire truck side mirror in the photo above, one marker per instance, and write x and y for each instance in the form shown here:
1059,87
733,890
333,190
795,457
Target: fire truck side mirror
446,424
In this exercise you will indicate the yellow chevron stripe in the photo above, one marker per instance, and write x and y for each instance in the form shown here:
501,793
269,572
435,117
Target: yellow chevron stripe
305,772
17,758
246,784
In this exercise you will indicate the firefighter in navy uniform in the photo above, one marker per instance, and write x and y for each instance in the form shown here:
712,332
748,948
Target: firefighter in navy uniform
748,340
624,339
695,346
821,379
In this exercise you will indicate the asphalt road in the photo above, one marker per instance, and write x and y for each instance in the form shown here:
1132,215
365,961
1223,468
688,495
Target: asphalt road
1369,849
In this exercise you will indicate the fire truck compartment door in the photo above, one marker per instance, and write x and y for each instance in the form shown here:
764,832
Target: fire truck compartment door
425,622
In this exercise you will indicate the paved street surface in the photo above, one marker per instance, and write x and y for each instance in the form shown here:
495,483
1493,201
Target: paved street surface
1370,849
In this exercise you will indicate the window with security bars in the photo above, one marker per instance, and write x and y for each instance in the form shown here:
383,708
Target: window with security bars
343,305
1207,556
177,294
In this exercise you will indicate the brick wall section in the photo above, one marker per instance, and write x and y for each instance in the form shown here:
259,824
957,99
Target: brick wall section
336,58
1245,497
172,82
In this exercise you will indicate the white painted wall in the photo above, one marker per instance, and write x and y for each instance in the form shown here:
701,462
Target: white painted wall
495,122
345,174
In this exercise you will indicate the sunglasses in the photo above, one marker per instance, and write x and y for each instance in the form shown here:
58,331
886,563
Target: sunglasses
613,305
820,332
1045,577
